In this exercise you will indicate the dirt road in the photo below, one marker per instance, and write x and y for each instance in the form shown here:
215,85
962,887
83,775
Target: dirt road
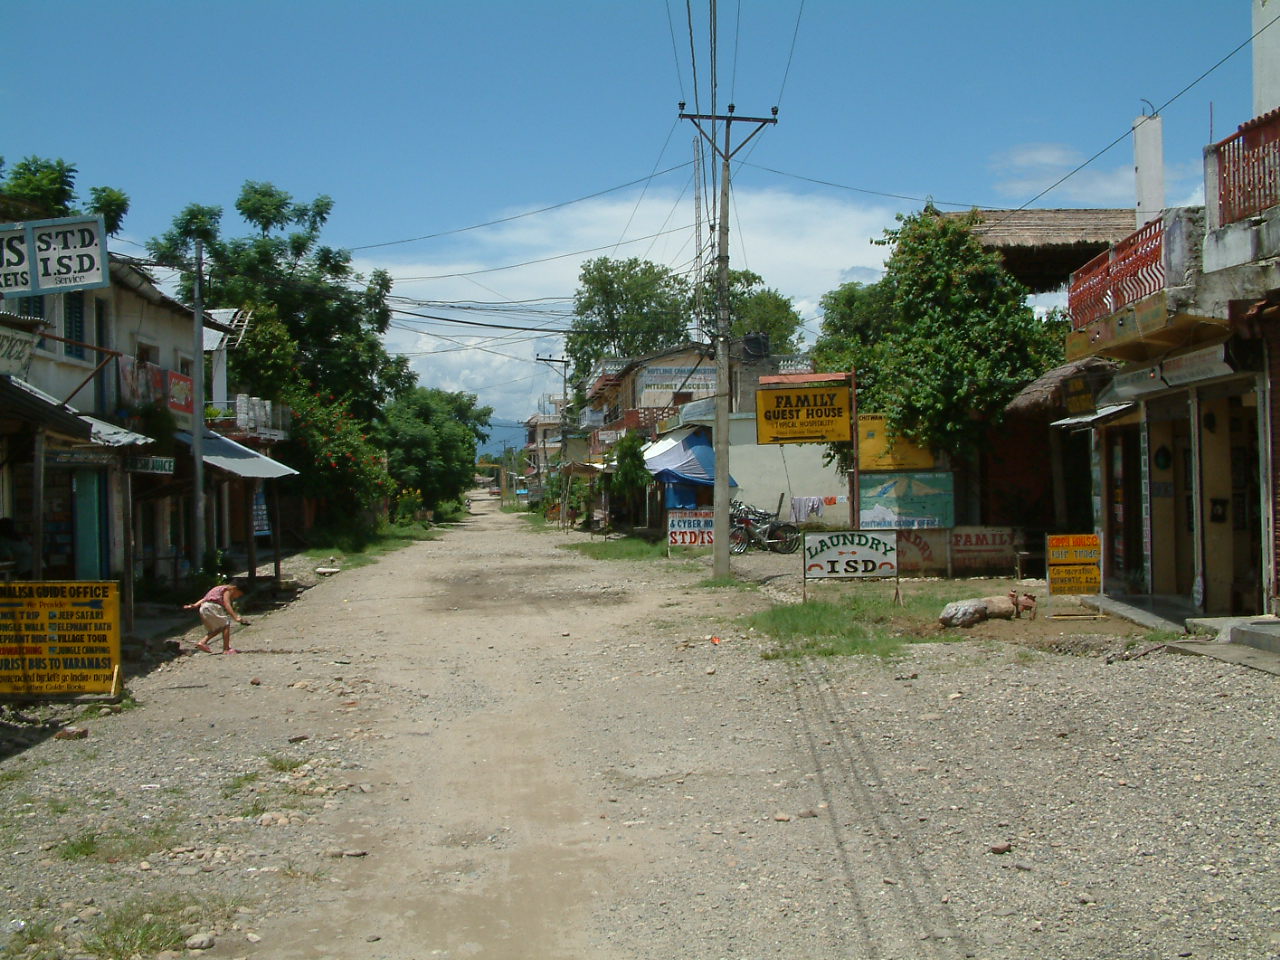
488,746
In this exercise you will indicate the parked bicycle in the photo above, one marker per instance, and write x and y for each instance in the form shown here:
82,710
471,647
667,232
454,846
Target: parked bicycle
750,526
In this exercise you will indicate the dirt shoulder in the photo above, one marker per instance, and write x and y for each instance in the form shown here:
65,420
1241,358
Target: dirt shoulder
488,746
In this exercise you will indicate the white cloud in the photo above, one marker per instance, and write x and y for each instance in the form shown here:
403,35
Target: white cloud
803,245
1026,170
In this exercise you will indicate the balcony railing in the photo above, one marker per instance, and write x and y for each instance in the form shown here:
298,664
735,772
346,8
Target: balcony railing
1248,165
1130,270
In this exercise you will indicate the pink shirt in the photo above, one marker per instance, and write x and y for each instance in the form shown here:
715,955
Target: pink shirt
216,594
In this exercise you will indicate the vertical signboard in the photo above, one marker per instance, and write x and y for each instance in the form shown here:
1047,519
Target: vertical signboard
1073,563
59,638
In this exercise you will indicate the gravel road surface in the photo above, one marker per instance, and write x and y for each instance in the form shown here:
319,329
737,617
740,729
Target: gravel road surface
487,746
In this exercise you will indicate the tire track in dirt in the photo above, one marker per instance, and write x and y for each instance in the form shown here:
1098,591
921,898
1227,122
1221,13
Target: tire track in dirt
892,899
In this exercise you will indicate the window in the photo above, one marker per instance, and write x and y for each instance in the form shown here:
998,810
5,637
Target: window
148,352
73,324
29,307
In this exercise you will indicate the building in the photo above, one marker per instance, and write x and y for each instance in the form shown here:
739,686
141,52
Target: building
1184,440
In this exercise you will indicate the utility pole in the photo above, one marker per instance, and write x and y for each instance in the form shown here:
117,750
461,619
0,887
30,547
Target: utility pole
197,417
720,439
564,408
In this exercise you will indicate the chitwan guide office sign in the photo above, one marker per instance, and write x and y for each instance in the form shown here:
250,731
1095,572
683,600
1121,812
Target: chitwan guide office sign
817,414
53,256
59,638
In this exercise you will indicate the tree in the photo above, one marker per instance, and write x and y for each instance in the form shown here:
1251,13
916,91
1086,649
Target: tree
945,340
625,308
630,478
40,189
753,308
430,436
333,318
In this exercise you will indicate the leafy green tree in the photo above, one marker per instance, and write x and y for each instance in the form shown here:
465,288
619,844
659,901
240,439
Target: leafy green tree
753,308
333,317
630,478
944,341
625,308
39,189
337,461
431,436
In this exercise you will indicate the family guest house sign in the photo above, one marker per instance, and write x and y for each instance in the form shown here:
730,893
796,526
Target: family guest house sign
820,413
53,256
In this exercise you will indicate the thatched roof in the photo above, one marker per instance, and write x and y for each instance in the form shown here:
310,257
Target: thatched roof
1045,396
1042,247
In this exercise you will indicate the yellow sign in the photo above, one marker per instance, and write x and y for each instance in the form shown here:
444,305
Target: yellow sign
804,415
1073,563
1072,548
1067,578
59,637
876,452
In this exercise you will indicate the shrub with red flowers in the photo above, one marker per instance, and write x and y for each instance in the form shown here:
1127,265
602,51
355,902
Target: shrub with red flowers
331,450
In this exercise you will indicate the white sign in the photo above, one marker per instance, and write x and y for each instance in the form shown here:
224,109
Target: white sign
690,528
16,347
53,256
849,554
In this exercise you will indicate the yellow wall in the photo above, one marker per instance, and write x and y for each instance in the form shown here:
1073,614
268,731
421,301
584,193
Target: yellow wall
1215,481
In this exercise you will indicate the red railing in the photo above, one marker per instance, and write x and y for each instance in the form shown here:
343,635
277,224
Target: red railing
1249,169
1115,278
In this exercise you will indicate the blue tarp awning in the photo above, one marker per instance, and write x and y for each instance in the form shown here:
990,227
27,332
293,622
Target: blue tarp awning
685,456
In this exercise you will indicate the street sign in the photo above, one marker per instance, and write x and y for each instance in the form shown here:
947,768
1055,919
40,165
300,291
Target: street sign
149,464
690,528
53,256
59,637
1073,563
850,554
811,414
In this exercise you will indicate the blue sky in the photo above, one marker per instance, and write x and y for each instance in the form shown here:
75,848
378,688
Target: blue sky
424,118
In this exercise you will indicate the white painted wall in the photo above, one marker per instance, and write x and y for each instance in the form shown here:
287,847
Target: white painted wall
1266,57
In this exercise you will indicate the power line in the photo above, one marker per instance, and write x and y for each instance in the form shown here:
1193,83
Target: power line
874,193
1156,112
527,263
528,213
791,54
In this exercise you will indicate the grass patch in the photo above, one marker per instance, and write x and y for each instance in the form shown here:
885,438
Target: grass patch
357,548
626,548
256,808
239,782
32,942
822,629
537,522
863,618
10,777
79,848
284,764
113,847
146,927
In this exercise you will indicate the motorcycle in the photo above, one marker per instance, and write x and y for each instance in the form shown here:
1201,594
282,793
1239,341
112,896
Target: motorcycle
750,526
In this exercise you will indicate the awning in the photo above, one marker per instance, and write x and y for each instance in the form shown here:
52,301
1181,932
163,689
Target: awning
218,451
1099,416
109,435
25,402
683,456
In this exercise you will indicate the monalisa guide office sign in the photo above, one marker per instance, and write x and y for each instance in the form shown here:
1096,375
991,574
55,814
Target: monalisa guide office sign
53,256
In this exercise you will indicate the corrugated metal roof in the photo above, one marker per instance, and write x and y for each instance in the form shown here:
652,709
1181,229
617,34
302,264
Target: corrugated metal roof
218,451
19,398
109,435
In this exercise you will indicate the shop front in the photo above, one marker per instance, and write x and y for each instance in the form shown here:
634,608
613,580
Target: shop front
1179,483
